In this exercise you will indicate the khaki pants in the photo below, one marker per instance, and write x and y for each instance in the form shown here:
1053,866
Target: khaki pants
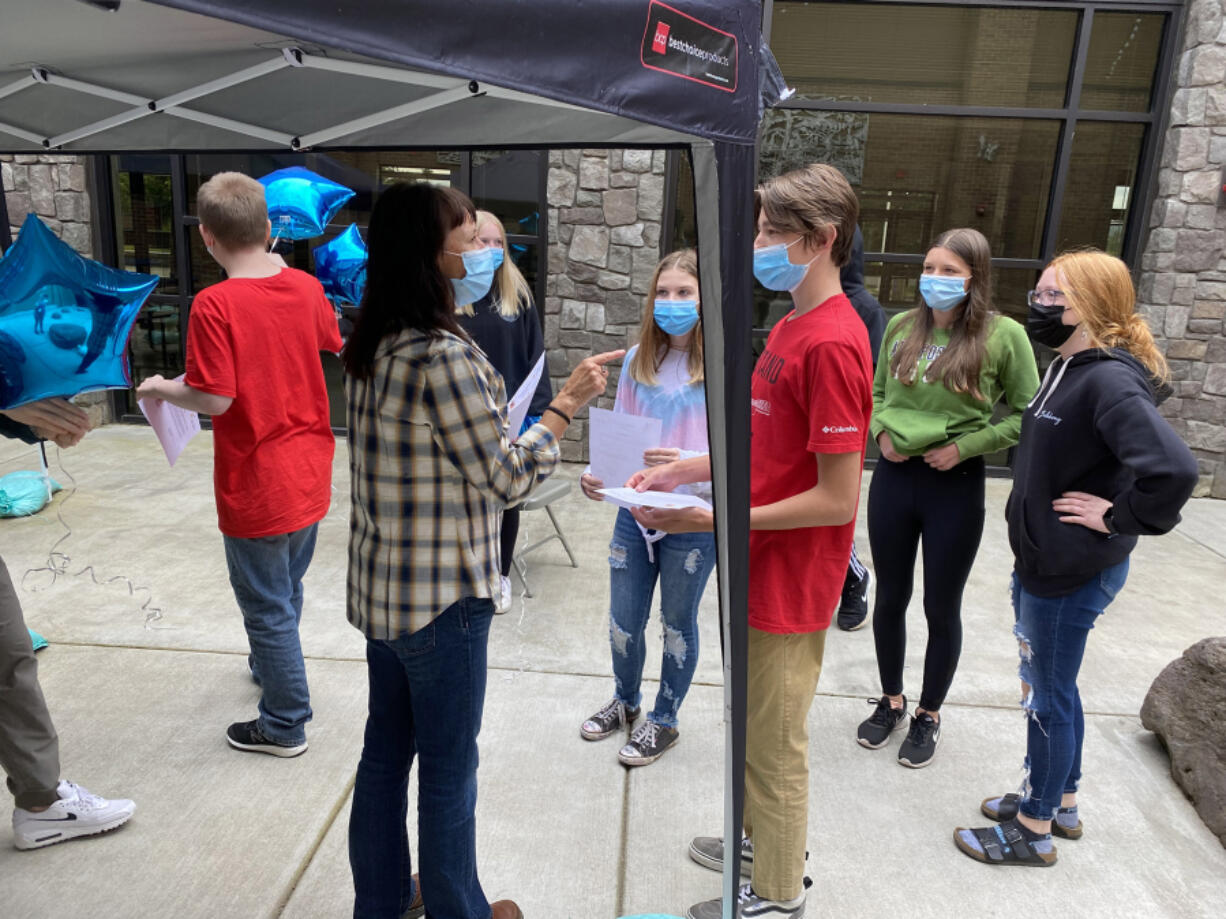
782,678
29,749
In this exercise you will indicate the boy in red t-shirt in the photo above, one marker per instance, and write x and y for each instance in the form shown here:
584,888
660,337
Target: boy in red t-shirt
812,399
253,345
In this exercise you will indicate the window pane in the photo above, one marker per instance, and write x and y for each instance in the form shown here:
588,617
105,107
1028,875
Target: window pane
508,185
144,210
937,55
917,175
685,220
1101,180
1122,60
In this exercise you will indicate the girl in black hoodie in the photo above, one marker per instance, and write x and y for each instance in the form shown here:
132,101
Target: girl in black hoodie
1096,467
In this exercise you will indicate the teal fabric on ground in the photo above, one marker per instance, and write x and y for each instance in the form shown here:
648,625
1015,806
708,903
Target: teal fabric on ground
37,640
24,493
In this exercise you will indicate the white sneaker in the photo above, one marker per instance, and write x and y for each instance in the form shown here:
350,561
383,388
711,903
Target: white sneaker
76,813
503,605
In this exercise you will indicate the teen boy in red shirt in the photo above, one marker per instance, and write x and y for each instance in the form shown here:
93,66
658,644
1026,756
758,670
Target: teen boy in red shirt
812,399
253,344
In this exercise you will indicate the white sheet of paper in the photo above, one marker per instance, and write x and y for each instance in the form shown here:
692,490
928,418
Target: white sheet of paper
666,500
174,426
616,443
517,405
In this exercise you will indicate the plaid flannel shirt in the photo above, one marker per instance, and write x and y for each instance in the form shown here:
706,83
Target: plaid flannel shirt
431,469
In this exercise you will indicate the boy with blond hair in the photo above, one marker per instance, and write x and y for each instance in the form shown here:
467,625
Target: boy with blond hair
253,346
812,399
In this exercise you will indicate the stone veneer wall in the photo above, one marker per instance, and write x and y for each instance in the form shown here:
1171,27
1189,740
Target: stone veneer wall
605,211
1183,281
54,186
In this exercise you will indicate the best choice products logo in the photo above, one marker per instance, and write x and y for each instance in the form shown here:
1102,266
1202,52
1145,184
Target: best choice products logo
659,44
679,44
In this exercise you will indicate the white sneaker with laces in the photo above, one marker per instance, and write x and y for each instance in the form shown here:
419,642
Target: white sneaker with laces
76,813
505,598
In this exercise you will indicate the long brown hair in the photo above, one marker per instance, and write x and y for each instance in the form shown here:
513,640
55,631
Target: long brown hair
958,366
653,341
1099,287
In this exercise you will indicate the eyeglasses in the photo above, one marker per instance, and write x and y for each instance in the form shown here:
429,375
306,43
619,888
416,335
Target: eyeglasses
1045,297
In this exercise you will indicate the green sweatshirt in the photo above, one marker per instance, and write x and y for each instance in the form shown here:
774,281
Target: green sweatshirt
926,415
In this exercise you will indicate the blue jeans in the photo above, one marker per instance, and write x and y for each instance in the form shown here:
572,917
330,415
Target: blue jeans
427,692
266,574
682,562
1051,634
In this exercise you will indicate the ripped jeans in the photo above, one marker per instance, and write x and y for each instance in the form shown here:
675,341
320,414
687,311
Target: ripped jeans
1051,634
682,562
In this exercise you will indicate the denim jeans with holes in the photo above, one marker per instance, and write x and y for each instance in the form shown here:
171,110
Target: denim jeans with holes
266,574
1051,634
681,562
427,694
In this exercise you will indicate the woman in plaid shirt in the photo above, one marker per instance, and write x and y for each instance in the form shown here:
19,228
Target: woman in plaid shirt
431,469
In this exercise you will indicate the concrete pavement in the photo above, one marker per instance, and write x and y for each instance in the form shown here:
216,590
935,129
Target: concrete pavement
142,685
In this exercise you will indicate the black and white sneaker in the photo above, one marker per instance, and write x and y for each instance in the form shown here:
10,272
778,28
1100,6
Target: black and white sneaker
876,729
921,743
853,607
609,720
246,735
751,906
708,851
647,744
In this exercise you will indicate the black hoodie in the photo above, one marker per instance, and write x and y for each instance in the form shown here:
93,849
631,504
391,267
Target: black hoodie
1095,428
869,310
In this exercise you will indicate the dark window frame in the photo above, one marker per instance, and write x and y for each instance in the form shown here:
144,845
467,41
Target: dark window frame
102,195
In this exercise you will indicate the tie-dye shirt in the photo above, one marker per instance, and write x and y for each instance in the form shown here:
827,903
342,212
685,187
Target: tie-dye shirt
678,403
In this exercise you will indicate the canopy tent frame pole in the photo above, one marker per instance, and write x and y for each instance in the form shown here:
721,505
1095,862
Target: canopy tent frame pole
437,100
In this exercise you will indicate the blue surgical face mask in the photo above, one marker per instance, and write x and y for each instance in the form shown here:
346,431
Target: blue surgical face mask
497,253
773,270
942,293
478,275
676,317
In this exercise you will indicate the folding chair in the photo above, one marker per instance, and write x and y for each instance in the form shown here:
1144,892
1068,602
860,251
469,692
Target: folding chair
545,495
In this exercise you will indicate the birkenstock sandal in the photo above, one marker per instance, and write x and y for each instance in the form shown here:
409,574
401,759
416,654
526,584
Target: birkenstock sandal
1003,844
1006,808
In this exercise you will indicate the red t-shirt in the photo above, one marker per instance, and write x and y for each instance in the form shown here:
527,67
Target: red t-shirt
812,393
257,340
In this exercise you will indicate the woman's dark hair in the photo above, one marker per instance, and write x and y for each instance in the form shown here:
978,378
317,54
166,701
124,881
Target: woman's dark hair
405,288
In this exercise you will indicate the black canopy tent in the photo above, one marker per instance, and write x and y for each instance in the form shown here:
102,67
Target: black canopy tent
297,75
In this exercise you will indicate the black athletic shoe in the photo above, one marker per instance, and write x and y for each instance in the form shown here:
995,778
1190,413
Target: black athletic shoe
921,743
246,735
853,608
876,729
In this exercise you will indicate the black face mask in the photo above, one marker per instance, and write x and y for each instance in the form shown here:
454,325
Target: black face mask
1046,327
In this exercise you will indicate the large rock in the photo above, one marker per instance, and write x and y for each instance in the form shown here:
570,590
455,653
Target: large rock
1184,708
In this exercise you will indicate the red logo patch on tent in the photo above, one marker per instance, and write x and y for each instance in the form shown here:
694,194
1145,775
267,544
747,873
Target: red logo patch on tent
689,48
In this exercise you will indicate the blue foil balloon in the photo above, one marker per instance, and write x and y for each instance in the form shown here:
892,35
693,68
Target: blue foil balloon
300,203
340,265
64,319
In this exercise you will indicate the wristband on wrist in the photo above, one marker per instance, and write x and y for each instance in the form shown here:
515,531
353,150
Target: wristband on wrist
559,413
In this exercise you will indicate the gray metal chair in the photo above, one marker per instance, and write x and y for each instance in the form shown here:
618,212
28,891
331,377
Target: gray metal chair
552,490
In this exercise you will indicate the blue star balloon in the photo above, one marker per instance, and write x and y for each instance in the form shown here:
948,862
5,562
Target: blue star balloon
64,319
300,203
340,265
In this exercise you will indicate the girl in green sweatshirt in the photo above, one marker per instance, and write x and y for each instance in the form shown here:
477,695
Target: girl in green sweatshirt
943,366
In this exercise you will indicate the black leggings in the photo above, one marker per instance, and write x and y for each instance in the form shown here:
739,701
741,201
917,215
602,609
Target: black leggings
908,502
510,532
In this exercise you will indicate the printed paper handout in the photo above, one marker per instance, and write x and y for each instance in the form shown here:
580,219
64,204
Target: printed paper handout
665,500
616,443
517,405
174,426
